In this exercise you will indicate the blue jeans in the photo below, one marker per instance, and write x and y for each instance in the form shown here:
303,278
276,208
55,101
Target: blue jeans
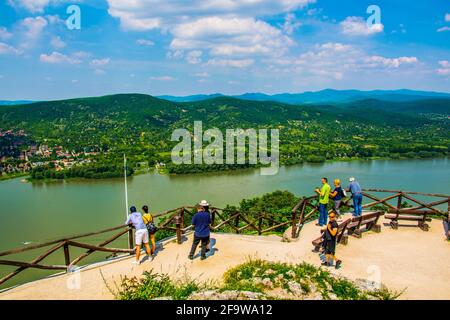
357,203
323,214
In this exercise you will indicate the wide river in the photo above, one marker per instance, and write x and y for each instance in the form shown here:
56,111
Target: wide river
37,212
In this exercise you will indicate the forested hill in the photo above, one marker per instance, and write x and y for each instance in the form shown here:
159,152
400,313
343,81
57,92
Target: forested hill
141,125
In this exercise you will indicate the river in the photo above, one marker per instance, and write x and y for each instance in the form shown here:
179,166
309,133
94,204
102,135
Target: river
37,212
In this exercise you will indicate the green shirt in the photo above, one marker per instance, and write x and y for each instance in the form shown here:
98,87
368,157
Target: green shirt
325,191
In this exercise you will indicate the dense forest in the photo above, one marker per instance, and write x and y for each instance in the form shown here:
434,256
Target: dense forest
141,126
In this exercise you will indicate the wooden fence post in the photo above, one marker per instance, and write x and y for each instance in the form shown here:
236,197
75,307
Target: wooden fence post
236,223
399,202
182,217
294,225
66,254
130,240
213,217
178,226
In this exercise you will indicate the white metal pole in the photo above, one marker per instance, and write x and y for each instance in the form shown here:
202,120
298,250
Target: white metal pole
126,186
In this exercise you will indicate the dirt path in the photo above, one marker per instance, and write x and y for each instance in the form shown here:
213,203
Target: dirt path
407,258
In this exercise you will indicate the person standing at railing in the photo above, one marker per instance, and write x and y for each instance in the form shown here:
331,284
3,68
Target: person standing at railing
151,228
201,222
337,195
141,233
357,196
324,194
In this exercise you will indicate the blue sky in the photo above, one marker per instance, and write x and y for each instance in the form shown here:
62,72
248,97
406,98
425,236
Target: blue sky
182,47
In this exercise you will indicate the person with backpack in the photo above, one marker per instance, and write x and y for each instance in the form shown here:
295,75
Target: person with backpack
337,195
201,222
141,233
151,227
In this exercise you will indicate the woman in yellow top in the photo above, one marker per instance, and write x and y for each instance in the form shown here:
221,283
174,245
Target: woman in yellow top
147,217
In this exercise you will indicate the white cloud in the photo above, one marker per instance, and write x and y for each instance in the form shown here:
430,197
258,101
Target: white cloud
378,61
143,15
74,81
443,29
335,60
33,29
236,63
33,6
57,43
291,24
144,42
5,34
230,36
57,58
447,17
99,71
7,49
194,57
357,26
162,78
99,62
445,68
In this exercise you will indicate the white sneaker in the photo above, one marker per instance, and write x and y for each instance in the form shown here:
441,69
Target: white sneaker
136,262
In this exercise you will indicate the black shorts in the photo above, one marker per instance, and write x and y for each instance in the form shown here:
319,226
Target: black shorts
330,247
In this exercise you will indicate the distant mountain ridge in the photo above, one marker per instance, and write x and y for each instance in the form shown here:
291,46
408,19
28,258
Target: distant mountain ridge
324,96
15,102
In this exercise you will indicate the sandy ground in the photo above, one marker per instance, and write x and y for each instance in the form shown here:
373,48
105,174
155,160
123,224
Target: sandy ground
405,259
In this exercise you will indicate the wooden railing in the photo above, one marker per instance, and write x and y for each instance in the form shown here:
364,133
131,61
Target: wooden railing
394,201
231,221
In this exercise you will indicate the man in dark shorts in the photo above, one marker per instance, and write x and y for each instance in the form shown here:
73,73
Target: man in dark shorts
330,242
201,222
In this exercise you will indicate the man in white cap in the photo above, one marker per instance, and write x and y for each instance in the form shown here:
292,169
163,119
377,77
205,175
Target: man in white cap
201,222
357,196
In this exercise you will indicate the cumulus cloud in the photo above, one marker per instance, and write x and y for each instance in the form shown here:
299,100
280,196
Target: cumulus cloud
7,49
194,57
33,6
58,58
445,68
57,43
378,61
142,15
230,36
291,24
334,60
5,34
357,26
443,29
33,28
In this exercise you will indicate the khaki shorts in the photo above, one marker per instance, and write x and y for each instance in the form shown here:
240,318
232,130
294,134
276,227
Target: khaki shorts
141,236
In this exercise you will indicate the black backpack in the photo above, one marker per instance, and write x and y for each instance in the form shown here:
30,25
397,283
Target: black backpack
151,227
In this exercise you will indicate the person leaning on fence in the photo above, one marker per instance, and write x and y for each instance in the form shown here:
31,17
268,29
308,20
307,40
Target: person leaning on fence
151,228
141,233
324,194
330,233
357,196
201,222
337,195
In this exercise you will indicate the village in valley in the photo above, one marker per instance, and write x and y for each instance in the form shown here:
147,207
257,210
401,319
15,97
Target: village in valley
19,155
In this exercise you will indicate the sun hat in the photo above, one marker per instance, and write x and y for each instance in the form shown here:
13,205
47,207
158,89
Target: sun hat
351,179
204,203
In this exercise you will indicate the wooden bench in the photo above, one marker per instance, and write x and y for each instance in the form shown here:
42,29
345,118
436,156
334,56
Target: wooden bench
365,222
341,237
419,216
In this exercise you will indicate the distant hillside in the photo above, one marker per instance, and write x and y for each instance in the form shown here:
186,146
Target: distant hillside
141,126
11,103
326,96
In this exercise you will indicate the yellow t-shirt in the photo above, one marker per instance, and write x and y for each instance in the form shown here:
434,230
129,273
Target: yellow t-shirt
147,218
